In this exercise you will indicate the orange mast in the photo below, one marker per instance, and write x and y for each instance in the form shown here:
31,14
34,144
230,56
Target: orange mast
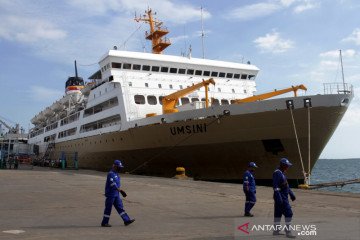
156,33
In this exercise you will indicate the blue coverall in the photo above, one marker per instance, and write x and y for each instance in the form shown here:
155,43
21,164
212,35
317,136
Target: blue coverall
113,197
249,181
282,205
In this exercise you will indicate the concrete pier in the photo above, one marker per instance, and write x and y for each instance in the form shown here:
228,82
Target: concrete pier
45,203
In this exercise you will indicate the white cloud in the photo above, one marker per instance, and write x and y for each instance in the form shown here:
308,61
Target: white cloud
178,38
354,37
329,64
25,29
254,11
336,53
38,93
269,7
273,43
170,12
307,6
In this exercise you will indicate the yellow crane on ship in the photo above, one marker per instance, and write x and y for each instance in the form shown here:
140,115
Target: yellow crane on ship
169,102
270,94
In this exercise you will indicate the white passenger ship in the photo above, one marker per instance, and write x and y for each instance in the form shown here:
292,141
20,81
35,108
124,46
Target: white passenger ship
126,114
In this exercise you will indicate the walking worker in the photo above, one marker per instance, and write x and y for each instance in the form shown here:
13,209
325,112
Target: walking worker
281,192
112,190
249,189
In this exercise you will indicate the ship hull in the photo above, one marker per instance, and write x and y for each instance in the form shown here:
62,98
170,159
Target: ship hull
220,147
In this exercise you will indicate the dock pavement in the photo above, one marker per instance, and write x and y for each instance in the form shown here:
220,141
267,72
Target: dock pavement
46,203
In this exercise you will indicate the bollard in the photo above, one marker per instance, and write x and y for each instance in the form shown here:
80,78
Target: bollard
76,161
63,160
180,172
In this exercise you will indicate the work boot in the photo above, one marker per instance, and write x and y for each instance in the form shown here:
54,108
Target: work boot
290,235
105,225
129,222
247,214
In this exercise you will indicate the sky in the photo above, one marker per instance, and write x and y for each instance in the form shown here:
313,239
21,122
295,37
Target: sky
292,42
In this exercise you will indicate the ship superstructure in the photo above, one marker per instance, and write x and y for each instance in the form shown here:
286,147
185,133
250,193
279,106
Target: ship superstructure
120,116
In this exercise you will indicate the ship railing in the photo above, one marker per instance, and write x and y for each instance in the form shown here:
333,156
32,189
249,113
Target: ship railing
338,88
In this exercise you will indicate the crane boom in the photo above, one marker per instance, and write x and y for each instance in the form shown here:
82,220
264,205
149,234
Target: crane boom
11,129
169,102
271,94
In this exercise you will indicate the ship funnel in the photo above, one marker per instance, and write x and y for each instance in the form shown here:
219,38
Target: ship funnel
76,74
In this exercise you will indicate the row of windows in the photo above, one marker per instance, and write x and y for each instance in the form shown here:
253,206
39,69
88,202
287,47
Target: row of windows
34,134
181,87
67,133
152,100
72,118
51,127
101,107
190,72
107,122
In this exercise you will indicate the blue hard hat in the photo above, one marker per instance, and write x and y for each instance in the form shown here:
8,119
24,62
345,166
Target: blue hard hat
118,163
285,161
252,164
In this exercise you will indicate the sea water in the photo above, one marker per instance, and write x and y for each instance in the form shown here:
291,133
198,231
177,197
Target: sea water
337,170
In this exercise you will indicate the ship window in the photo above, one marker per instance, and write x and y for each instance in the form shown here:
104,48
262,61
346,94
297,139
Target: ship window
214,74
244,76
159,85
194,100
171,86
185,100
181,87
198,72
224,102
181,71
136,67
251,77
146,68
216,102
206,73
151,100
146,85
130,84
219,89
115,65
222,74
229,75
155,68
173,70
190,71
160,99
139,99
244,90
127,66
164,69
233,90
236,75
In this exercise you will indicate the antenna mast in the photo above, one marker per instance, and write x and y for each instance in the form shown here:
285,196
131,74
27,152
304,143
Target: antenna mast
202,26
156,32
342,70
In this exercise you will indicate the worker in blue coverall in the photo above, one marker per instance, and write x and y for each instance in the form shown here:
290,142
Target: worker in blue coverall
281,192
112,190
249,189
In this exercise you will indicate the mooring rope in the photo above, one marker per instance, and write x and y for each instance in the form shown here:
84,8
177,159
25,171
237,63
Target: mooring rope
298,145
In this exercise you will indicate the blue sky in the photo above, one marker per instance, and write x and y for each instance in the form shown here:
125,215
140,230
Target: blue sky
292,42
